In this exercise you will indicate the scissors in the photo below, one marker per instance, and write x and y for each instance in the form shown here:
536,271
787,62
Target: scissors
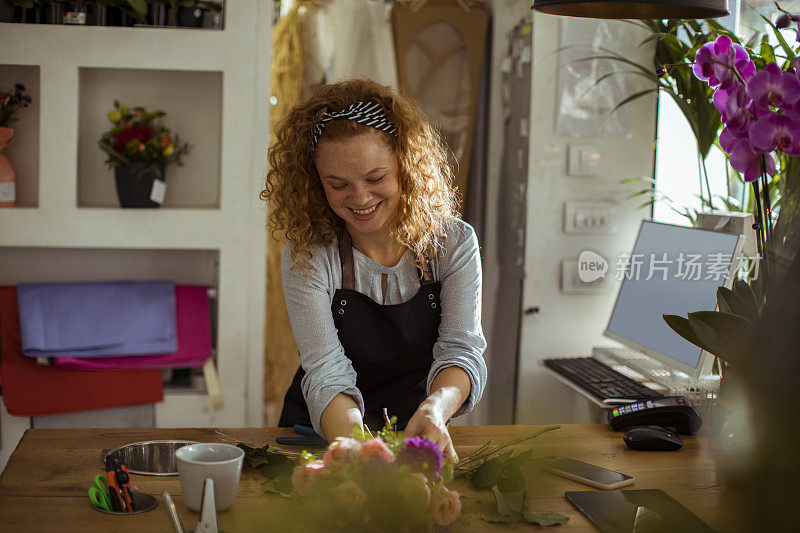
98,493
309,438
118,481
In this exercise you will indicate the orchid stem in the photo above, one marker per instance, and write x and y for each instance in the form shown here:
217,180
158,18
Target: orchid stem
760,230
708,185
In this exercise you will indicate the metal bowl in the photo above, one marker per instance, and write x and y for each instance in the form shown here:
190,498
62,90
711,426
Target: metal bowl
151,457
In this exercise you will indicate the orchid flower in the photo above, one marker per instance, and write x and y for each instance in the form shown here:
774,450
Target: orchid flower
773,87
747,160
738,112
773,131
722,63
729,137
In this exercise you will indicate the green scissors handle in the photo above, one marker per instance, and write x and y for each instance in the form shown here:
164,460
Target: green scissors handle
98,493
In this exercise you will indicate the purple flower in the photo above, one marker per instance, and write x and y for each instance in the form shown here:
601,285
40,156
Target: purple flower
422,455
747,161
738,110
717,63
729,137
773,131
772,87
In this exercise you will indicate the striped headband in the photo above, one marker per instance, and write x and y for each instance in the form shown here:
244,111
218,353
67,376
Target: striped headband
367,113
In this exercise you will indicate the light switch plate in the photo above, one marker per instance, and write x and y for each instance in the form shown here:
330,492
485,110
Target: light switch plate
571,282
590,217
584,160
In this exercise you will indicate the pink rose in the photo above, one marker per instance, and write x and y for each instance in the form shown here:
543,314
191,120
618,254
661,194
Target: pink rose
351,497
305,477
376,449
445,507
414,489
342,451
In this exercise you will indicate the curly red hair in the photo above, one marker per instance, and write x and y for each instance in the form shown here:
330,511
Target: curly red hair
297,204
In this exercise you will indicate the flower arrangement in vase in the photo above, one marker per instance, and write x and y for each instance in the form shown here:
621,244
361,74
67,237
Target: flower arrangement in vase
139,148
10,102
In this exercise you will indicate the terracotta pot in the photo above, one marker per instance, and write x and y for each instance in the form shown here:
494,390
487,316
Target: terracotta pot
7,186
135,183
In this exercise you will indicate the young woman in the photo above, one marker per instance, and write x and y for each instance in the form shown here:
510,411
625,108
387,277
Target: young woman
382,281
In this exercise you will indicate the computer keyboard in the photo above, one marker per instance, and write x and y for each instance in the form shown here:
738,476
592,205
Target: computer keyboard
600,380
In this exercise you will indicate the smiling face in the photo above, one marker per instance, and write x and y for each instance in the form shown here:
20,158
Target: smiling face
359,175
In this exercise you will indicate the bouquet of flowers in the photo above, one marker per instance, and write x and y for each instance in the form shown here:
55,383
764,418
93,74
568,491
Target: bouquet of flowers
10,102
385,483
138,136
390,483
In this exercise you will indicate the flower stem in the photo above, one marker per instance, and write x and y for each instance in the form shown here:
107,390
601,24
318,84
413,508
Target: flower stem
759,227
708,185
462,464
700,177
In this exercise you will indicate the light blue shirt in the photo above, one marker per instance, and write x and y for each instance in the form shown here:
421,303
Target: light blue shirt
309,295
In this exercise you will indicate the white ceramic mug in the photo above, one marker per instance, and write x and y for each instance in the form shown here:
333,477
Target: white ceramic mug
220,462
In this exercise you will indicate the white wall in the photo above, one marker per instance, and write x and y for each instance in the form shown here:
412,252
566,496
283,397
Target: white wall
569,324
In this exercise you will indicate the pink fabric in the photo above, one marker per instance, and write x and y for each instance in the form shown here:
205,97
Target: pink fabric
194,339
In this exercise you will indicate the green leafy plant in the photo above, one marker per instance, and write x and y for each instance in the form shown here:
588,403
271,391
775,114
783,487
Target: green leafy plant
507,513
11,102
727,333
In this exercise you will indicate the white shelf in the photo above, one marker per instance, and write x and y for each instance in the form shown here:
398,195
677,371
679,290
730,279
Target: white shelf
116,228
114,46
221,239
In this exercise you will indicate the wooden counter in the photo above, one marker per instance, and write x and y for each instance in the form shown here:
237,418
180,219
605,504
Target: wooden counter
44,487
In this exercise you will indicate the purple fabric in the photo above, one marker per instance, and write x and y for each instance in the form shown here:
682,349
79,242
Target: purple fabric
97,319
194,339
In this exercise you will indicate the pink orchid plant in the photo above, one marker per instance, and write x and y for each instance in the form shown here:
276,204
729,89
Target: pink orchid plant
759,109
759,104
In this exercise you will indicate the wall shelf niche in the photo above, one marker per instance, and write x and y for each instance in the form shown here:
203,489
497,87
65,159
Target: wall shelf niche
193,103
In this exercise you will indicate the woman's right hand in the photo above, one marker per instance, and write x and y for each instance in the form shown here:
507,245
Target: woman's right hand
340,417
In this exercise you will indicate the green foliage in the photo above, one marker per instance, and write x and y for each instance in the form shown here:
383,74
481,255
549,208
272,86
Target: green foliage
391,436
676,44
10,102
274,466
504,471
727,333
507,513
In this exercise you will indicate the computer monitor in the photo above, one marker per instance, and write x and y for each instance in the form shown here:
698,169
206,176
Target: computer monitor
672,270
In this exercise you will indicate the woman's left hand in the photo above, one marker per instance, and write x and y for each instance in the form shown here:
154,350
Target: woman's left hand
430,422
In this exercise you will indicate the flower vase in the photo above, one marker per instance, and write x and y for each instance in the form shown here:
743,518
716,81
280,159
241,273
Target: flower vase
140,184
190,17
7,186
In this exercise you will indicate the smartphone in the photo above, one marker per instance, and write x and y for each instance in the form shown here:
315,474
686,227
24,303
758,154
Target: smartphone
591,475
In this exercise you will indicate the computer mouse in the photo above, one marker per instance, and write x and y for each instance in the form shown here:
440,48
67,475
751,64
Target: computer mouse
652,438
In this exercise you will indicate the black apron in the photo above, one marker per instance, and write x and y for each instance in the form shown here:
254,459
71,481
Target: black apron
390,346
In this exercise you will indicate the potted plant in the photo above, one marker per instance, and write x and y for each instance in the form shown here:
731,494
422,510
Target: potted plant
125,12
190,13
139,148
10,102
7,8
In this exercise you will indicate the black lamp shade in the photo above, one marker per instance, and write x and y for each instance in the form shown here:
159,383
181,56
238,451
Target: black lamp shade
634,9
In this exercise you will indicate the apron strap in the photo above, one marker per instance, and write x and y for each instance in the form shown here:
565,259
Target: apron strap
346,257
427,275
348,272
